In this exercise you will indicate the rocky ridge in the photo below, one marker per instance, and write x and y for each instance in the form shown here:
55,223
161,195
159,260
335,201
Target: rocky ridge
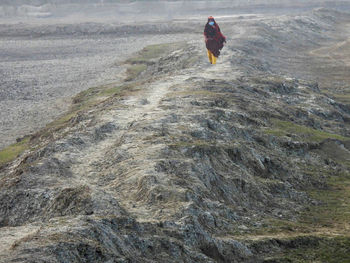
185,162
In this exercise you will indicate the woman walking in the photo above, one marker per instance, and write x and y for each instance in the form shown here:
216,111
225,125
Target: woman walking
214,39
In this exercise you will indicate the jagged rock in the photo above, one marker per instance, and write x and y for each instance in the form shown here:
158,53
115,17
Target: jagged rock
186,163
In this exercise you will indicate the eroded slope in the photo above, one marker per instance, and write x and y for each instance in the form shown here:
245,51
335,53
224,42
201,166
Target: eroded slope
187,162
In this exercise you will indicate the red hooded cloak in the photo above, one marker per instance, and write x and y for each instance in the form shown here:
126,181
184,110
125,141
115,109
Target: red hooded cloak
214,39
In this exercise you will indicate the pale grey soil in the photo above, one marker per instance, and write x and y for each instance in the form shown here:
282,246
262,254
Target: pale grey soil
39,75
44,61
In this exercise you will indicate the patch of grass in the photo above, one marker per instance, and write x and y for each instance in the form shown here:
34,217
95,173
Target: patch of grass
283,128
114,91
330,215
343,98
148,56
11,152
322,231
273,227
327,222
330,250
91,96
153,52
334,210
61,121
84,101
81,102
88,99
134,71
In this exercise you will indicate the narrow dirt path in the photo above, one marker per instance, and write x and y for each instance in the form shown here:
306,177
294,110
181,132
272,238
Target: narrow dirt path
136,110
136,119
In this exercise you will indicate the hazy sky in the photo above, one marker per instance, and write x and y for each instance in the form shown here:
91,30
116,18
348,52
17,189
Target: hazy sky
90,9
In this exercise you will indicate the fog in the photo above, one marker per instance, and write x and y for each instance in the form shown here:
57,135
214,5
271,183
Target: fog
128,11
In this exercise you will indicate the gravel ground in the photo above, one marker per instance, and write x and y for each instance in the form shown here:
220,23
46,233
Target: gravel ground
44,62
38,76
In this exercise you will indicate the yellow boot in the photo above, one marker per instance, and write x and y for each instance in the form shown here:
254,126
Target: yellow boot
210,56
213,59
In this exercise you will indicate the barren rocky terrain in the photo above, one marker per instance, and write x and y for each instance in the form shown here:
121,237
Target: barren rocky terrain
177,160
51,50
43,66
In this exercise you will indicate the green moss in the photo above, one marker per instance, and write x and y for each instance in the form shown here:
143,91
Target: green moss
283,128
94,95
113,91
152,52
146,57
336,249
61,120
90,98
135,70
322,231
343,98
81,102
334,208
11,152
273,226
327,222
86,100
330,214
